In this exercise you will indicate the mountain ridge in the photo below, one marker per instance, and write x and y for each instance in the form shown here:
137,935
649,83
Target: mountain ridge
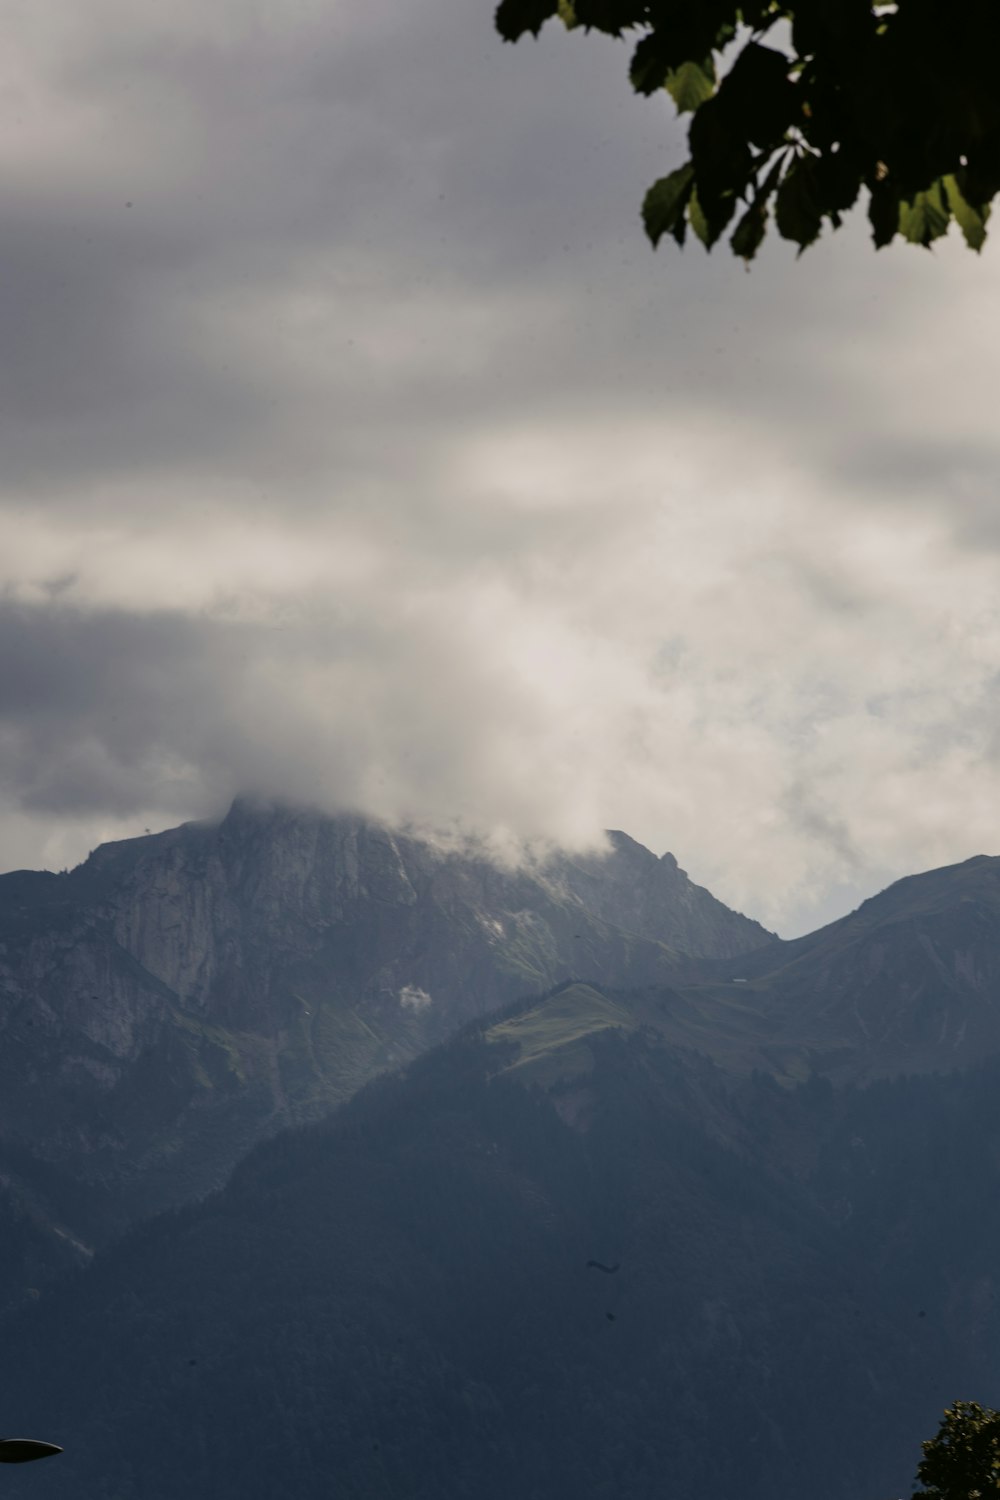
910,979
795,1171
178,996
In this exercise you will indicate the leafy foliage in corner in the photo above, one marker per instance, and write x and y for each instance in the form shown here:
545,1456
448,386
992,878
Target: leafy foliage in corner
963,1459
796,108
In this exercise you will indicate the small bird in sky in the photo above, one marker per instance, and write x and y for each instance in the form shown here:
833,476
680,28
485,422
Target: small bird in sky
599,1265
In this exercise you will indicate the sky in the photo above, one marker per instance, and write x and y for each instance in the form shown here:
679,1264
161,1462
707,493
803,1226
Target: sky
358,451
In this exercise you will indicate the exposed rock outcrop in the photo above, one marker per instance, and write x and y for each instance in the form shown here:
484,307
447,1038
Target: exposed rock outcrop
178,996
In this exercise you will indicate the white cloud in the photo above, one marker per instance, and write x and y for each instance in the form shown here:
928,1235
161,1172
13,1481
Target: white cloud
371,459
412,997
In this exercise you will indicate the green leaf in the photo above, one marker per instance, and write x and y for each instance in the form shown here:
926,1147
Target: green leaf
698,221
650,66
722,159
749,233
883,211
746,238
971,220
678,32
838,176
690,85
709,216
611,16
664,204
924,217
515,17
758,97
798,207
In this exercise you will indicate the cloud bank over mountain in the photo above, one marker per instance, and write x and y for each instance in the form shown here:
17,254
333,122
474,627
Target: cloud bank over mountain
358,452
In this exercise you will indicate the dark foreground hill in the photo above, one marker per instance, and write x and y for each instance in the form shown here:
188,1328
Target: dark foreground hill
178,997
562,1259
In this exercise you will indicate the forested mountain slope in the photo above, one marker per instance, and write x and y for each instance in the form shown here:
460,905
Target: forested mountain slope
180,996
789,1284
730,1232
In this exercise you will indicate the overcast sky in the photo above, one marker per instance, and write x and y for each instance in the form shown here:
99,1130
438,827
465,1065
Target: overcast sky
357,449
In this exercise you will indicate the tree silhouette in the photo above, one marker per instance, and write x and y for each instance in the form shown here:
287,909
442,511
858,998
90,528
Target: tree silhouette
897,99
962,1461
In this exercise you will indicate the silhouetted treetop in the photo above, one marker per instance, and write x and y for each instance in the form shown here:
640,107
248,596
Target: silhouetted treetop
795,108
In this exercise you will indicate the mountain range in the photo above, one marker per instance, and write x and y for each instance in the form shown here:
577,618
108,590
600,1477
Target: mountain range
719,1218
180,996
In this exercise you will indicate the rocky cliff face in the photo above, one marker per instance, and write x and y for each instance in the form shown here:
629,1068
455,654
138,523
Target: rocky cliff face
178,996
632,889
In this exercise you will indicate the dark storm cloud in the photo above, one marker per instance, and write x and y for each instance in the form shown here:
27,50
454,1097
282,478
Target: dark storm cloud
92,705
100,375
116,713
155,283
399,174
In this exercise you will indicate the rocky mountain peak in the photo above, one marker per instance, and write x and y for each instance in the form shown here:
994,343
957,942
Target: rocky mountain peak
629,886
180,995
